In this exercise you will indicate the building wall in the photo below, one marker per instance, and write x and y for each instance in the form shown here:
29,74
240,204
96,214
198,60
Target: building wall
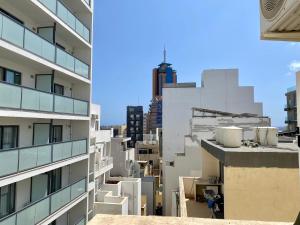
196,162
219,91
266,194
148,189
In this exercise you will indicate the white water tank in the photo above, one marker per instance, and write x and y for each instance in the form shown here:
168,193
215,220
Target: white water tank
232,137
266,136
219,135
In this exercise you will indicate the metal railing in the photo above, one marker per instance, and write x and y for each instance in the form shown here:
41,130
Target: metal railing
62,12
17,160
24,98
22,37
40,210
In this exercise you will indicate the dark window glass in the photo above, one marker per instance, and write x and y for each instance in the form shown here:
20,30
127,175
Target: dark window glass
12,77
7,200
9,137
54,180
58,89
57,133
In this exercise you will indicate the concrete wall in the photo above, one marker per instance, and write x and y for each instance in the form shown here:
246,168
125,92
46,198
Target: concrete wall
266,194
219,91
148,189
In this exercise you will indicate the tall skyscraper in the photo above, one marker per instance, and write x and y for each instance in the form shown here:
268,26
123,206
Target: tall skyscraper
135,124
163,75
45,89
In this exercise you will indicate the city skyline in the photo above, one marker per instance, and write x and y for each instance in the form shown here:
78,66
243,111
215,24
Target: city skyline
136,45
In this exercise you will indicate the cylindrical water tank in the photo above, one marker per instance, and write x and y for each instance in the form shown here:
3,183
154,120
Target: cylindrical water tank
266,136
232,137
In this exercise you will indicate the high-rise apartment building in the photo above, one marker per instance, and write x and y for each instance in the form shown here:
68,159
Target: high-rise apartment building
45,93
135,122
291,109
163,75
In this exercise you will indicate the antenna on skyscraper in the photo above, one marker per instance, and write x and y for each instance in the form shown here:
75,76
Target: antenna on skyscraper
165,54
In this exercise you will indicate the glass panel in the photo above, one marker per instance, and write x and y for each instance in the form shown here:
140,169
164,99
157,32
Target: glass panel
44,155
10,96
44,82
1,21
46,102
77,189
28,158
81,68
12,32
63,105
34,214
80,107
39,46
9,221
47,33
79,147
50,4
62,151
86,34
7,200
64,14
10,137
60,199
30,99
79,27
39,187
82,222
42,210
65,60
57,134
41,134
35,100
8,162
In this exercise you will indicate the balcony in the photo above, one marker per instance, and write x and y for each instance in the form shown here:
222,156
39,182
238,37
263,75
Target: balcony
103,166
62,12
291,89
14,161
288,107
290,120
40,210
22,98
20,36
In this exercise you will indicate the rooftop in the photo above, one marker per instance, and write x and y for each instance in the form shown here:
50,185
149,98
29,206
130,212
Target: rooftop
285,155
145,220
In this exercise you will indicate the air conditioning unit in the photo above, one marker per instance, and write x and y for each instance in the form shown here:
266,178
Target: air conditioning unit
280,20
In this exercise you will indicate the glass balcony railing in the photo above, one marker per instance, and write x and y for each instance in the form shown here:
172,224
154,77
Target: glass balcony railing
80,222
88,2
40,210
18,35
67,17
17,97
21,159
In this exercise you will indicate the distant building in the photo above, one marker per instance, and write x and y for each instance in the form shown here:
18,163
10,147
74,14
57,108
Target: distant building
163,75
291,109
135,122
118,130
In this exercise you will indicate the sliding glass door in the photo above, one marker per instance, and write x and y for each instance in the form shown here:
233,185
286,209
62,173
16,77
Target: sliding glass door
8,137
7,200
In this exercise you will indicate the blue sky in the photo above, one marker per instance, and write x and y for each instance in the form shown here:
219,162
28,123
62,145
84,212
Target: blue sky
129,36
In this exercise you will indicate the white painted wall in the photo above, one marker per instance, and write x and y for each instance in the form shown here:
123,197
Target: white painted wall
219,91
148,189
191,164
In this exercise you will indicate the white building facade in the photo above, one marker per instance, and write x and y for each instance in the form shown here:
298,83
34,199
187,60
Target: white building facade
45,94
220,91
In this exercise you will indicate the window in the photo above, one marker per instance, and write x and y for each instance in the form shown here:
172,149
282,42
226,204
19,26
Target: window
143,152
57,133
7,200
59,89
10,76
9,137
150,151
54,182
